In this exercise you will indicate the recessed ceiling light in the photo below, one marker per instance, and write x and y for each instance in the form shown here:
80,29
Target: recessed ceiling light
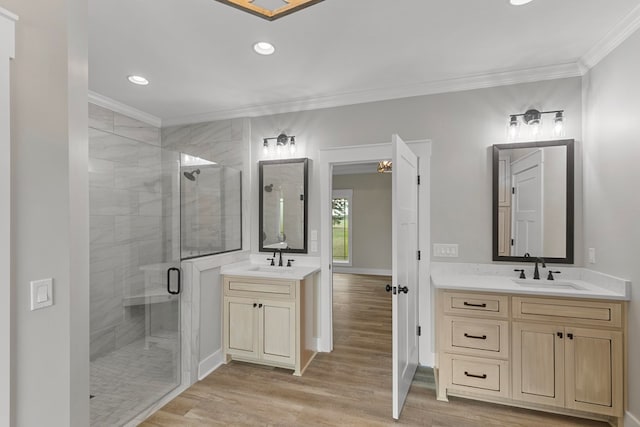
264,48
519,2
138,80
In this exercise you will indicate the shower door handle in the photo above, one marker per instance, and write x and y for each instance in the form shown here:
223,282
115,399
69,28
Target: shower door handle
177,270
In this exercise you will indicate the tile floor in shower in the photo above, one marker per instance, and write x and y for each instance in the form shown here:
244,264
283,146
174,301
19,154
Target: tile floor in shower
127,381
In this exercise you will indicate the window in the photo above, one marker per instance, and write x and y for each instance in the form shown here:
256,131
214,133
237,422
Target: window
342,226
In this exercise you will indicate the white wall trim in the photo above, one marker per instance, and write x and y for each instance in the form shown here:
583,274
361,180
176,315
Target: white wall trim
339,268
479,81
630,420
119,107
7,52
629,25
210,364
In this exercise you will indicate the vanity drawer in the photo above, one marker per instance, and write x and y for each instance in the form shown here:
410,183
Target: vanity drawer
571,311
471,304
482,337
476,375
257,287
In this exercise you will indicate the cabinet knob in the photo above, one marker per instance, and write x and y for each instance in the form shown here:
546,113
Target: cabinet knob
255,305
560,335
259,305
570,336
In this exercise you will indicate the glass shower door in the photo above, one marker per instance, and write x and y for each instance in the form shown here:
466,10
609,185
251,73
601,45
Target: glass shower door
135,281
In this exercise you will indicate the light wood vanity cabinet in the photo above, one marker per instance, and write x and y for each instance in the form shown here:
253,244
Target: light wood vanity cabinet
266,321
540,353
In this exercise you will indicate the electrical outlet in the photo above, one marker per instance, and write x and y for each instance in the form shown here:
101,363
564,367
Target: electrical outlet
445,250
592,255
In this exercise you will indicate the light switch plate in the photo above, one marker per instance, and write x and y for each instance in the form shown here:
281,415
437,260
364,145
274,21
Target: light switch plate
592,255
314,234
41,293
445,250
314,246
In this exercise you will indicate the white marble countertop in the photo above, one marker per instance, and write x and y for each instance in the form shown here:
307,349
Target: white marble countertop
248,269
561,288
576,283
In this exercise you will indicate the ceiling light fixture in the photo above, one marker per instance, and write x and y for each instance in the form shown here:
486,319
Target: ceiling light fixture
384,166
264,48
138,80
282,141
520,2
287,8
533,118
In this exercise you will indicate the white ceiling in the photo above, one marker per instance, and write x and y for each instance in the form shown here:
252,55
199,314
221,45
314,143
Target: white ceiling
198,53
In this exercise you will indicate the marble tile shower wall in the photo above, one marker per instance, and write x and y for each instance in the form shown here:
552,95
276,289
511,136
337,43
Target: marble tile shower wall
129,222
213,223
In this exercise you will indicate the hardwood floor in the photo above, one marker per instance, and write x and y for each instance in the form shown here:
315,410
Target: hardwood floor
350,386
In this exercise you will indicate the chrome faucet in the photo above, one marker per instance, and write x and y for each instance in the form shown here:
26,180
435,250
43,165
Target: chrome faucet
536,273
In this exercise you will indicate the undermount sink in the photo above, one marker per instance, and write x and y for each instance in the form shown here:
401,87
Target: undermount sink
530,283
271,269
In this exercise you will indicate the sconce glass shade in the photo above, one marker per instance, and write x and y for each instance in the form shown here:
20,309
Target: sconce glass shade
558,124
292,145
265,147
513,129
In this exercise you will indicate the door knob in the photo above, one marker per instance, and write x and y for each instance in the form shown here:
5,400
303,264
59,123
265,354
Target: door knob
387,288
403,289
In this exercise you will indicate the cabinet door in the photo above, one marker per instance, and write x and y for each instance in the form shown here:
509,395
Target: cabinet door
538,363
241,326
593,364
278,331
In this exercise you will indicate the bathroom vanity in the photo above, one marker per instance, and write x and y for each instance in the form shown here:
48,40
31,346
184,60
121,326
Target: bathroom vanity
269,315
551,346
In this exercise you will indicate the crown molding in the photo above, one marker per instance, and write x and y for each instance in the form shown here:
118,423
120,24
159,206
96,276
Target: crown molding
612,40
124,109
9,15
383,94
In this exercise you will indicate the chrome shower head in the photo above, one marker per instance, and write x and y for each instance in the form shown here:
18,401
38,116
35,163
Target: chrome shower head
191,176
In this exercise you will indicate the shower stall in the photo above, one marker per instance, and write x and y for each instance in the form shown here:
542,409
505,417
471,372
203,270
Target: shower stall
149,209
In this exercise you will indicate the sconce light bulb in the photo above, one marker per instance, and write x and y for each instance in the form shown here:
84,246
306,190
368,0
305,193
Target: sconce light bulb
265,147
535,128
513,128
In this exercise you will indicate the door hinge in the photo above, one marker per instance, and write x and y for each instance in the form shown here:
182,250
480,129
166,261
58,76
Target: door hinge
512,242
513,190
419,255
418,179
419,331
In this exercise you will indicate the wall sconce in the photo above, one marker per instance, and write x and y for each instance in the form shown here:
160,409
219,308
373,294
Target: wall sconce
281,141
384,166
533,118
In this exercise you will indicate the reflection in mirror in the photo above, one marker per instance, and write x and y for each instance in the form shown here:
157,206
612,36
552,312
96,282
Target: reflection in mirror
533,201
283,205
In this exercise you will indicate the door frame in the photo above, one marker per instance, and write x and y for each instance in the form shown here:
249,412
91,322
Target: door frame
368,153
7,53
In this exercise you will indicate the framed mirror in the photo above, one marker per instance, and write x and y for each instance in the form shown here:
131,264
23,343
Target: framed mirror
533,201
284,186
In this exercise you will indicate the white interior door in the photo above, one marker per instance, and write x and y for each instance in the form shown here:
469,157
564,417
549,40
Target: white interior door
405,270
527,205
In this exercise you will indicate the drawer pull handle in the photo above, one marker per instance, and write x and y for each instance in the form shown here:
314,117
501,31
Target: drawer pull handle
482,377
468,304
484,337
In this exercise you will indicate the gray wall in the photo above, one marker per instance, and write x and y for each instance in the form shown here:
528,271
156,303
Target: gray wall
611,179
370,218
50,212
462,125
